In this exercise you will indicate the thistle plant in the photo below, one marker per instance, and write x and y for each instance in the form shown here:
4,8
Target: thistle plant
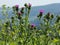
17,30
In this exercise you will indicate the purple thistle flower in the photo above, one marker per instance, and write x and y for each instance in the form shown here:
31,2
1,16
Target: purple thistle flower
41,11
29,5
32,25
16,6
19,13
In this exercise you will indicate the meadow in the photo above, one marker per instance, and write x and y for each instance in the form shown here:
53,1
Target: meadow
18,31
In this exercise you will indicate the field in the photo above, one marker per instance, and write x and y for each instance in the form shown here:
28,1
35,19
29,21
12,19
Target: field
18,31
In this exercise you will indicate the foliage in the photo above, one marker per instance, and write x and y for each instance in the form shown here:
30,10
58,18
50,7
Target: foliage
18,31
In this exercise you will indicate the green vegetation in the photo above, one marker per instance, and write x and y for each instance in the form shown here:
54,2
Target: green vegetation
18,31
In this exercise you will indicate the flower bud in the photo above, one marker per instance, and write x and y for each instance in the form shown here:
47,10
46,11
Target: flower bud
48,16
52,16
12,19
13,8
22,10
58,18
19,15
17,7
25,5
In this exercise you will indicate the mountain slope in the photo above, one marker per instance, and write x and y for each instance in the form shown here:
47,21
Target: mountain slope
52,8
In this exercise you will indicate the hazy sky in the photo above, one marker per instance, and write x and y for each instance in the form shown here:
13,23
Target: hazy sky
33,2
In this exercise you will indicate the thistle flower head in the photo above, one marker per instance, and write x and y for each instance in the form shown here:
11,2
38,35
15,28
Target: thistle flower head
19,13
32,25
22,10
41,10
16,6
29,5
40,13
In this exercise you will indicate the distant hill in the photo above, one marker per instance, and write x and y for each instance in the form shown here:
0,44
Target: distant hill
52,8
